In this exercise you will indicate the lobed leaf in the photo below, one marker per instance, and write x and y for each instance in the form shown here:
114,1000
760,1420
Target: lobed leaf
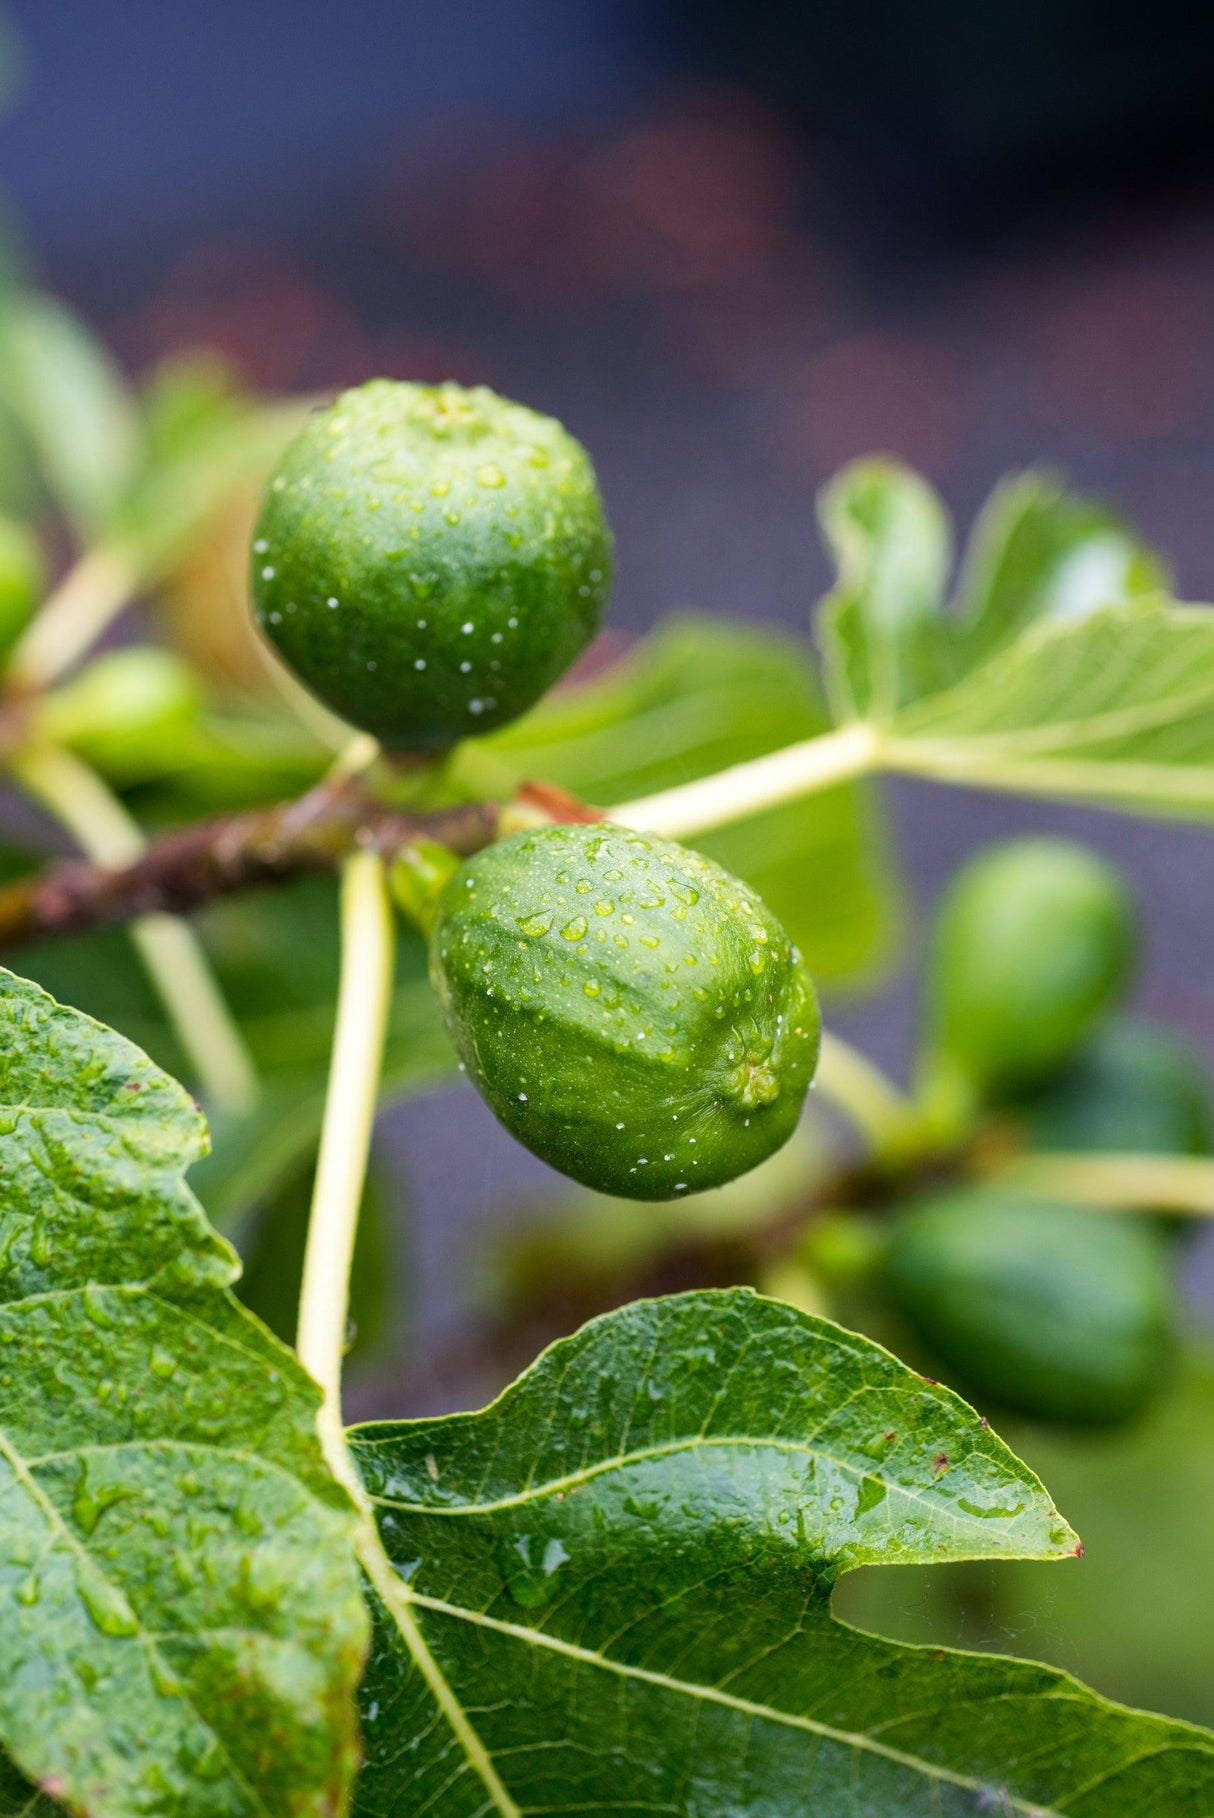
1059,669
1116,708
183,1628
1138,1617
610,1591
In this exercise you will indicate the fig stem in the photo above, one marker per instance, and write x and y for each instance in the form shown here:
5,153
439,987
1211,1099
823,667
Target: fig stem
764,782
169,948
1118,1181
884,1115
91,594
364,994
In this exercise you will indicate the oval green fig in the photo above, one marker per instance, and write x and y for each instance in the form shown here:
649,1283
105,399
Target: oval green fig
633,1014
1035,939
22,576
1059,1312
1131,1087
429,560
124,709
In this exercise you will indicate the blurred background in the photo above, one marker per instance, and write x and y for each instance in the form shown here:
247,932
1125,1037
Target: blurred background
731,248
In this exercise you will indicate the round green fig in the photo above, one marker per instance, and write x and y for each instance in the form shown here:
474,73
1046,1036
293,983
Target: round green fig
22,575
1131,1087
430,560
1035,939
1056,1311
633,1014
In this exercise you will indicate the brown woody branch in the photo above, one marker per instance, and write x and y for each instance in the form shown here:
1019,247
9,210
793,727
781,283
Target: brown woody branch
181,870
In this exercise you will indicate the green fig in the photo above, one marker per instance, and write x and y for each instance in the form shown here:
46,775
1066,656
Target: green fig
633,1014
1131,1087
124,709
430,560
1035,939
1056,1311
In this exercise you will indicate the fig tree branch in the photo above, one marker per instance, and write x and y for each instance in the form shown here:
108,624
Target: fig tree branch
182,870
170,949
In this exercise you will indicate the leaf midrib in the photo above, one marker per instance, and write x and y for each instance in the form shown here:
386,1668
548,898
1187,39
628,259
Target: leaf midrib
1115,779
557,1485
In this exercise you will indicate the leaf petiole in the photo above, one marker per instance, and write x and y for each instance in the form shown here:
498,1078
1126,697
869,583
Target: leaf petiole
1117,1181
89,597
764,782
885,1117
368,952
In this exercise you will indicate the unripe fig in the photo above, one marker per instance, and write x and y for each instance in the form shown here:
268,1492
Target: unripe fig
123,708
1131,1087
632,1013
1035,939
1059,1312
22,574
429,560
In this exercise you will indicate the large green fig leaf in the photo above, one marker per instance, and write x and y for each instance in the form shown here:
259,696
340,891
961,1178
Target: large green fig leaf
1138,1619
610,1592
182,1623
697,695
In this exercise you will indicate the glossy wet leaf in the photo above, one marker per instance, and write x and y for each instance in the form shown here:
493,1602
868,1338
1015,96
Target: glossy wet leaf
182,1627
697,695
611,1592
1138,1619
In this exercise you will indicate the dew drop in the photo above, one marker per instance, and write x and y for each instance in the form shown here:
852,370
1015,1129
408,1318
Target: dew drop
108,1609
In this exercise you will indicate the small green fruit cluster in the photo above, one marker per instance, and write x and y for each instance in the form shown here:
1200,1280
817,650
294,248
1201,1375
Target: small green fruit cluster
1059,1312
430,560
1130,1087
632,1013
